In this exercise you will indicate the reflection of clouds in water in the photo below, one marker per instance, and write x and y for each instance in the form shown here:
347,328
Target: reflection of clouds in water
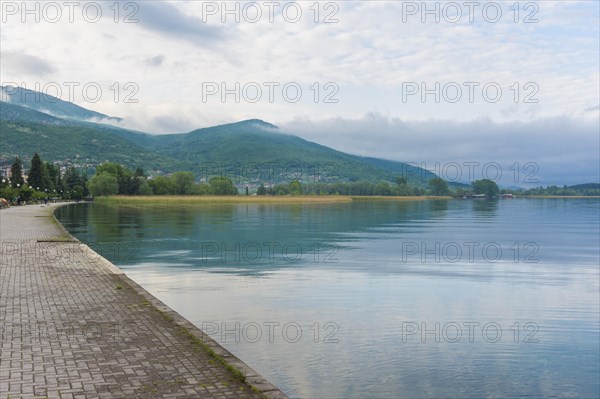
150,266
371,291
172,253
369,310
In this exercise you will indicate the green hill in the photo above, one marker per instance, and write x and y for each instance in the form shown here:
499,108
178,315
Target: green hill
48,104
11,112
247,151
259,148
74,144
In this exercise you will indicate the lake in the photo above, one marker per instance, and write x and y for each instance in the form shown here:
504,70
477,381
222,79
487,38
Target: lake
378,299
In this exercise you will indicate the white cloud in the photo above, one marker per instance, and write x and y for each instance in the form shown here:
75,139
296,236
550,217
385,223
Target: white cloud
18,63
155,61
370,53
563,149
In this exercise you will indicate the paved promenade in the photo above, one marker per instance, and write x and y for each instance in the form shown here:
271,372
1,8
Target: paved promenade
74,326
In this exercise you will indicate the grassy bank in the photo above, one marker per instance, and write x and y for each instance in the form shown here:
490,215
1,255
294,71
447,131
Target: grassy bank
396,198
190,199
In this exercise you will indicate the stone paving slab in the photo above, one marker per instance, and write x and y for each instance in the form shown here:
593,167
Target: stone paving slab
72,325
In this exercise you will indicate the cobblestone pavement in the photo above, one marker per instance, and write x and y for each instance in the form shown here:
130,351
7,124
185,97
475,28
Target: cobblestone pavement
74,326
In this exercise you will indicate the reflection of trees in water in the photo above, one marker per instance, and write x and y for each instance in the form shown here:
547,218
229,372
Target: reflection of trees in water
177,234
439,207
485,207
75,217
238,222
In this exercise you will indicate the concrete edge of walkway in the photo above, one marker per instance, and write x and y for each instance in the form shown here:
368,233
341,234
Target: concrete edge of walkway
253,378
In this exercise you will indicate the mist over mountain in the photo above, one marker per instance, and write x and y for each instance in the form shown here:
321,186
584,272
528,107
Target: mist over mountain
50,105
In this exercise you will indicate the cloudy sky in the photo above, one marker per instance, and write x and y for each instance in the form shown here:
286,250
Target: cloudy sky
455,83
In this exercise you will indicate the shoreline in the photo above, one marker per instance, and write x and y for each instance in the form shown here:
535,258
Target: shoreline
175,200
241,199
216,200
98,293
229,361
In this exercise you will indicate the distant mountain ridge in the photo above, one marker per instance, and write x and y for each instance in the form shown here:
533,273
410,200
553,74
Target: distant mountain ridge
251,150
51,105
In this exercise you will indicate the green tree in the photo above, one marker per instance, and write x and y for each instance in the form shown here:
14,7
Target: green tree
111,168
36,173
72,178
49,176
54,177
261,190
295,188
16,173
361,188
202,189
405,191
162,185
8,192
25,193
145,188
60,183
78,192
459,192
438,186
280,189
403,188
136,181
222,185
183,182
486,186
103,184
383,188
124,176
139,172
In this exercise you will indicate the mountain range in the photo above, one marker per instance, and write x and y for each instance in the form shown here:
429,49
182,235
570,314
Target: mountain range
251,150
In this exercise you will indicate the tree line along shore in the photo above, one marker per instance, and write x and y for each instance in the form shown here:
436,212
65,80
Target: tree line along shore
46,181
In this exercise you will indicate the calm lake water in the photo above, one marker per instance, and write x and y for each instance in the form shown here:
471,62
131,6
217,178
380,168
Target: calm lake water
423,299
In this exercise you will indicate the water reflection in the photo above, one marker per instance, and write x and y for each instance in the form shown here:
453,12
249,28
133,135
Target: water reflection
242,236
485,207
439,207
391,266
